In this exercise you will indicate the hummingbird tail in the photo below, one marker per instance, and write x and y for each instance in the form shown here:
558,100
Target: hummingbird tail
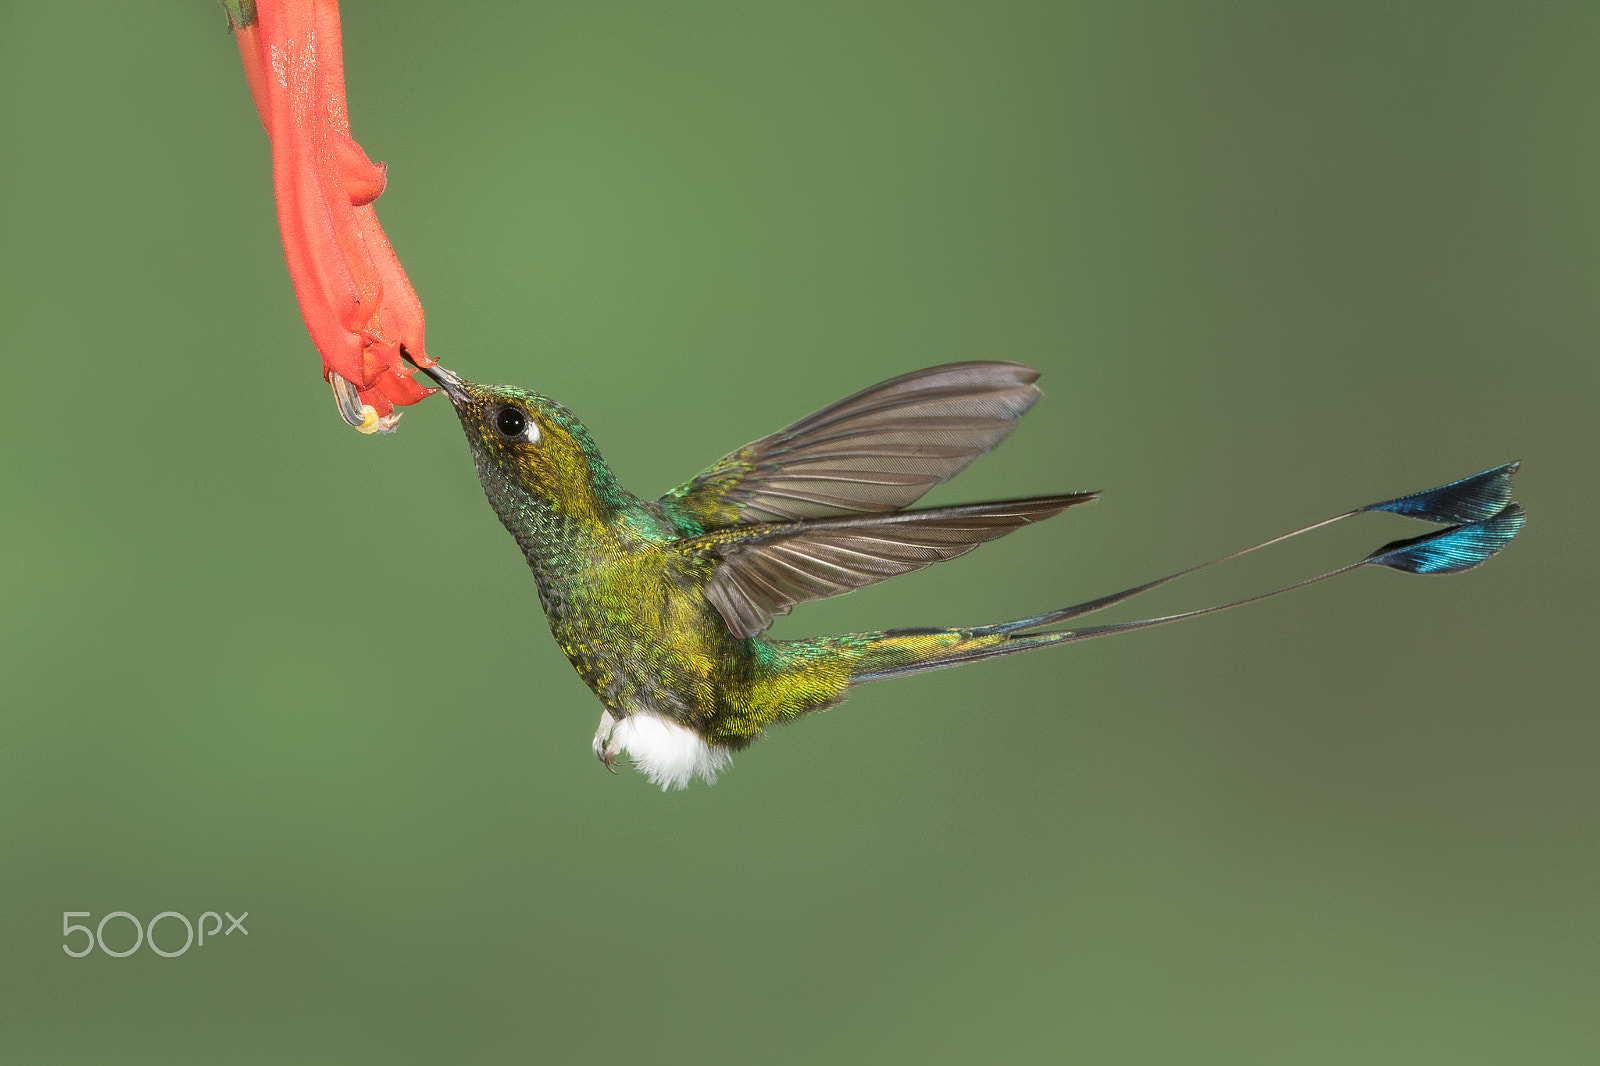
1484,518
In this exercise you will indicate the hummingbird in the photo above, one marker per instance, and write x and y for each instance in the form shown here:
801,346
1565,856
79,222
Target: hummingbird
663,605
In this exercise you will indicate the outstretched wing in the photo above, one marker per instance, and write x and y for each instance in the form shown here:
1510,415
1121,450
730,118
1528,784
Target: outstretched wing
878,450
767,568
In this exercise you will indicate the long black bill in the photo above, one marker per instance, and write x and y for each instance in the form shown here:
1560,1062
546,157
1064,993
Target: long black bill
447,380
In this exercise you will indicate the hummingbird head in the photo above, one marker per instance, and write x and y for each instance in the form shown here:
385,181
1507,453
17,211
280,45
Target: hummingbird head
533,455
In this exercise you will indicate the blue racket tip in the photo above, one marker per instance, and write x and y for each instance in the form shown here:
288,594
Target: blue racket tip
1450,551
1472,499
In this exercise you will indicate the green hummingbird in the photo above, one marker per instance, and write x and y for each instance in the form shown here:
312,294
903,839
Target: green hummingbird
662,605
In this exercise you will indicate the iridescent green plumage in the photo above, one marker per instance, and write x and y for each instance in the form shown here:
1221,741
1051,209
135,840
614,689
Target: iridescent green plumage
624,580
662,605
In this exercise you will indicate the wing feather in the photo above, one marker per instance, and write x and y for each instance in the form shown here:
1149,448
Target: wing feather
765,569
879,450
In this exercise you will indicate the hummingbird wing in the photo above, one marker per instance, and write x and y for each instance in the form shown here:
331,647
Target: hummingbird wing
878,450
766,568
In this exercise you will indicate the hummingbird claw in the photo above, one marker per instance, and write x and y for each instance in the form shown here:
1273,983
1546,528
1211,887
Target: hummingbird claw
604,750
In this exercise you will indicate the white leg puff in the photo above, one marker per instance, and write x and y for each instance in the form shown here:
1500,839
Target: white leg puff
669,754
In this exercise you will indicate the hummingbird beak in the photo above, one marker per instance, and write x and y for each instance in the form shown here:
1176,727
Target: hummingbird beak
452,385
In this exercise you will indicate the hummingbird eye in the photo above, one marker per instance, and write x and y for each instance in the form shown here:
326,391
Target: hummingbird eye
514,425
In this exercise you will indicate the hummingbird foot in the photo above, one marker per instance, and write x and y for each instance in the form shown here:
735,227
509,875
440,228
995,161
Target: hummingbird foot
605,748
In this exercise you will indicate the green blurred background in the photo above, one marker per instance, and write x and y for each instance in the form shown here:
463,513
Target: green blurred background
1274,260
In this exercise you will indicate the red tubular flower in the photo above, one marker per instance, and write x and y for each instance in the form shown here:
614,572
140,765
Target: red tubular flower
358,305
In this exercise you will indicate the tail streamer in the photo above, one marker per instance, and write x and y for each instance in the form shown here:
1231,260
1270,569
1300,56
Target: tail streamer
1483,518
